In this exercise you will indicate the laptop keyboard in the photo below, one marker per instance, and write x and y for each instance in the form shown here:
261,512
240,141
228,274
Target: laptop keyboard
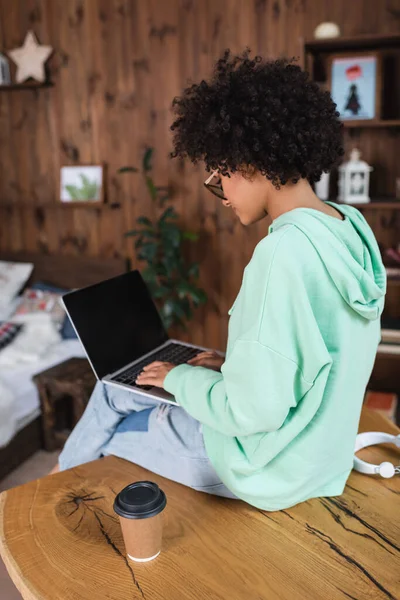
176,354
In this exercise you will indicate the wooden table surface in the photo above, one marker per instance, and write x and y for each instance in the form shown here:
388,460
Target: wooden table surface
60,540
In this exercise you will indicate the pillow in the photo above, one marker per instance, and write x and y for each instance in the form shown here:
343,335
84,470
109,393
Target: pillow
34,302
13,276
67,331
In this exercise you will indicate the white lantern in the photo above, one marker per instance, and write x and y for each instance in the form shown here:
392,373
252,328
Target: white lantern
354,180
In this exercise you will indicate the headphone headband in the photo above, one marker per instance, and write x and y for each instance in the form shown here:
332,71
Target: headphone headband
372,438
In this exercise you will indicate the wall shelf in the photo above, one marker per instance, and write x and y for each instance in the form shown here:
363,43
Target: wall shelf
375,205
366,123
34,85
359,42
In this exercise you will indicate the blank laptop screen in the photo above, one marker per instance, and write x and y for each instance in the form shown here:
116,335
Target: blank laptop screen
116,320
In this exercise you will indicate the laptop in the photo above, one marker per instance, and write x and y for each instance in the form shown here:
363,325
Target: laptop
122,332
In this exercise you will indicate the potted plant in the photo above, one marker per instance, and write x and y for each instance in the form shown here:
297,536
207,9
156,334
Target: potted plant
170,277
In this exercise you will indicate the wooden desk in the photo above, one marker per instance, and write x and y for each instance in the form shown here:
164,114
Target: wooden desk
60,539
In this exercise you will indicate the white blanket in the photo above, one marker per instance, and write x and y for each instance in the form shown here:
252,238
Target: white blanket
8,419
32,343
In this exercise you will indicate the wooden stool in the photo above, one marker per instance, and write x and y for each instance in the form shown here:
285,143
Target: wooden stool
64,392
60,538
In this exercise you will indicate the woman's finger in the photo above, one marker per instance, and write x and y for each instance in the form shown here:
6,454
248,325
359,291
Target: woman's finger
156,363
200,356
147,378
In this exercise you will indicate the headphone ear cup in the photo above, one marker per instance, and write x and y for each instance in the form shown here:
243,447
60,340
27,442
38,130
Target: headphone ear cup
386,470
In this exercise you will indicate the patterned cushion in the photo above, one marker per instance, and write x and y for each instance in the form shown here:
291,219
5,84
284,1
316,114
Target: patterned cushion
8,331
35,302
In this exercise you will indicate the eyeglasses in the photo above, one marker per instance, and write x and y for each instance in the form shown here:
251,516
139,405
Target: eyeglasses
216,188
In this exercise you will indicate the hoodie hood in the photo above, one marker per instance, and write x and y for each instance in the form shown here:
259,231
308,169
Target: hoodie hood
349,252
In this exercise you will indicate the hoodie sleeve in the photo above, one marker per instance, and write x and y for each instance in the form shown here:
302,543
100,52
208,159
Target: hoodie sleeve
275,350
254,392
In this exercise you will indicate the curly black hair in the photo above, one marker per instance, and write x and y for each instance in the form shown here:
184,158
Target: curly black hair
256,115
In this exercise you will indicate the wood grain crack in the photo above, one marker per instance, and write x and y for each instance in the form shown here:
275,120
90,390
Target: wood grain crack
356,490
328,540
288,515
338,520
341,506
117,551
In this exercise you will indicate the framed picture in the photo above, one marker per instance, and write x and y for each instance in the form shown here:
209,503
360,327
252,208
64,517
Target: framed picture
82,184
355,83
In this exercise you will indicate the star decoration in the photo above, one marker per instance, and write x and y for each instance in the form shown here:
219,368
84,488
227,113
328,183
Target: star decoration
30,59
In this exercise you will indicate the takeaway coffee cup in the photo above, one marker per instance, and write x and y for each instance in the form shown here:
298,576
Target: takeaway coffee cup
139,507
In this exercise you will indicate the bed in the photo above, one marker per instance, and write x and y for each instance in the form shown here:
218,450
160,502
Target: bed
63,272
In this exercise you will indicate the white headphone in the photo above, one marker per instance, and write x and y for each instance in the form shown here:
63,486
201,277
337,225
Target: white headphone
371,438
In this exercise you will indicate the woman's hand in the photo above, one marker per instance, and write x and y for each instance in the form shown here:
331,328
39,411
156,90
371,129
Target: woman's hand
155,374
209,359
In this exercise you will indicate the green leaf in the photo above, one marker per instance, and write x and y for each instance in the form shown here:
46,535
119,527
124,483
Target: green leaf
144,221
189,235
169,213
128,170
148,251
171,236
169,263
145,233
151,187
178,308
183,288
161,291
198,296
147,160
133,232
193,271
149,274
167,308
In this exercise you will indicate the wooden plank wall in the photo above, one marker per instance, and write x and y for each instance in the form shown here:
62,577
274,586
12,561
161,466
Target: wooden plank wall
117,65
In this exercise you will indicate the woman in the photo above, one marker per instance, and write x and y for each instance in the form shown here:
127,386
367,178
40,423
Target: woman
275,423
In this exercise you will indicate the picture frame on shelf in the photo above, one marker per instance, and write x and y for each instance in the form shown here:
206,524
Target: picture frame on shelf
355,84
82,185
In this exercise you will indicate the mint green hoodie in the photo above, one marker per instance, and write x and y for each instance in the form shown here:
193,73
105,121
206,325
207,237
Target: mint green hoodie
280,420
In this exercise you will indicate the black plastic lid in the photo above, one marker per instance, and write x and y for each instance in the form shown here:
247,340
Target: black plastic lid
140,500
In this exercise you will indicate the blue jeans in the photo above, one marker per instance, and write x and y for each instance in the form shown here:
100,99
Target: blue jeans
160,437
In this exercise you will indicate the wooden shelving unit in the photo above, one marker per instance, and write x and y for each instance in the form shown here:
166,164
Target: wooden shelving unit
390,205
317,56
359,42
374,204
378,139
366,123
